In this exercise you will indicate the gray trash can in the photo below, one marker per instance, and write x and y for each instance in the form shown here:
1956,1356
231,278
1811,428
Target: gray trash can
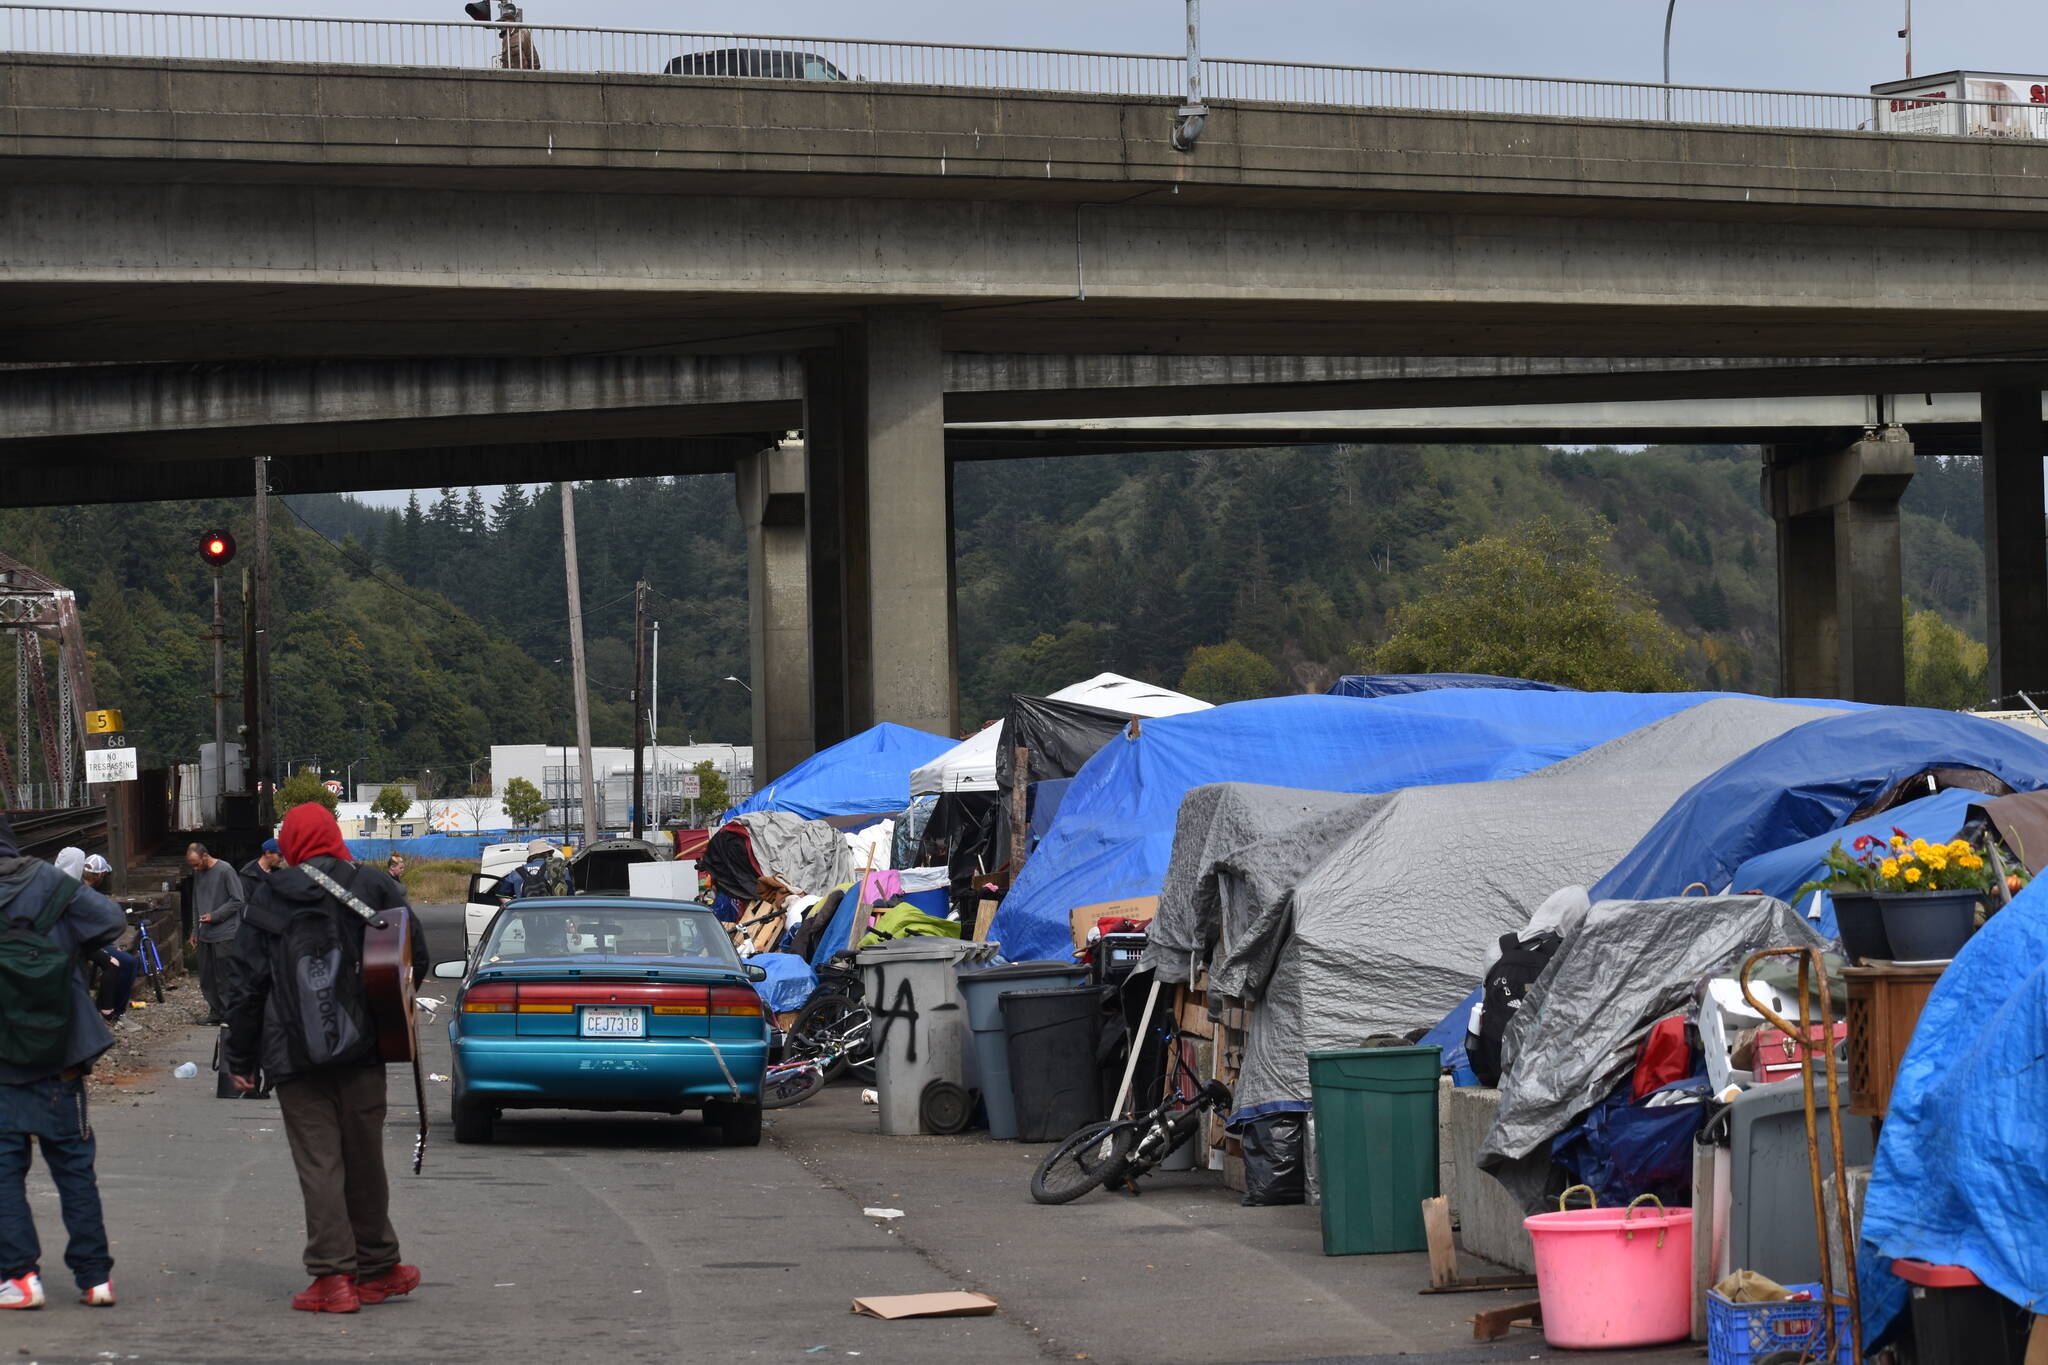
920,1026
982,988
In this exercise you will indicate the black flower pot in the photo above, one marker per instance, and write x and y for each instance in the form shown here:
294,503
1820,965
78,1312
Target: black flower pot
1859,919
1928,926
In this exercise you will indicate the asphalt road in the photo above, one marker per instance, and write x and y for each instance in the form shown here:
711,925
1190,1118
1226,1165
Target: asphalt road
626,1239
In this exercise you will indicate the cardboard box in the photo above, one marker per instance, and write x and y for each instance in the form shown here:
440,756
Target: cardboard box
941,1305
1084,919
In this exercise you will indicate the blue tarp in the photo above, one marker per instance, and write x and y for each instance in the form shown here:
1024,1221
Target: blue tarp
1807,782
1959,1177
1781,873
1115,830
866,775
790,980
1405,684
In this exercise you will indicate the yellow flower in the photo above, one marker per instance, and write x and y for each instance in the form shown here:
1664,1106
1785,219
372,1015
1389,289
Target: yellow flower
1959,848
1971,862
1938,860
1920,847
1888,868
1912,874
1898,841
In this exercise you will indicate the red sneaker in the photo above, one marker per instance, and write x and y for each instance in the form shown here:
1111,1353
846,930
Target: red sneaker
400,1279
328,1294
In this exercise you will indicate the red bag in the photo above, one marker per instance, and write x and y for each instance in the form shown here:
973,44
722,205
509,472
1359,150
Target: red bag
1665,1057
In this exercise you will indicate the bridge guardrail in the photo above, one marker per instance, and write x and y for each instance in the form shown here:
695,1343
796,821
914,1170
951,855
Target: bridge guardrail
453,45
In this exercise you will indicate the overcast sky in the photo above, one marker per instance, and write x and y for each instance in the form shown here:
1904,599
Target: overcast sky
1832,45
1780,44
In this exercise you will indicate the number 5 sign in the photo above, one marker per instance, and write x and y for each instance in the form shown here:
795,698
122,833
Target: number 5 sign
102,722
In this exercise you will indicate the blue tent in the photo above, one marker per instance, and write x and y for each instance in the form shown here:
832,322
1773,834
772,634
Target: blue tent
866,775
1807,782
1783,871
1115,829
1404,684
1959,1178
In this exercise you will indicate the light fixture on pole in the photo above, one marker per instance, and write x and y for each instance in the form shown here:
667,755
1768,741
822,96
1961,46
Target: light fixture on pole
742,682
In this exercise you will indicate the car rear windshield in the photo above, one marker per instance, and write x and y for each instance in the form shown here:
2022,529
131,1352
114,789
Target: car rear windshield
608,930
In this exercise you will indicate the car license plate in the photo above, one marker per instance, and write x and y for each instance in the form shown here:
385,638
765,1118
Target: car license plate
614,1023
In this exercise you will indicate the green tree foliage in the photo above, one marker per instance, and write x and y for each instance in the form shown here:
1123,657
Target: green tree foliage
1944,667
524,803
1229,672
1536,603
712,794
303,787
392,803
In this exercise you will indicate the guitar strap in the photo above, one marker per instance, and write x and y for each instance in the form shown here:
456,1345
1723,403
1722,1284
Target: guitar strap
419,1080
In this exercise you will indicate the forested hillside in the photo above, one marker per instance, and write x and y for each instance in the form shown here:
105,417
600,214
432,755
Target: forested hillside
417,638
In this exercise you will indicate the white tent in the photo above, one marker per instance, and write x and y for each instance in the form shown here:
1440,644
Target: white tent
970,765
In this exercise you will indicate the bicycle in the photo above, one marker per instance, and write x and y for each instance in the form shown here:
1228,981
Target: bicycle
1114,1153
834,1026
152,969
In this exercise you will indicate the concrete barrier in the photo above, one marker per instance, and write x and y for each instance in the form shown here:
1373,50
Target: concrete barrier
1489,1223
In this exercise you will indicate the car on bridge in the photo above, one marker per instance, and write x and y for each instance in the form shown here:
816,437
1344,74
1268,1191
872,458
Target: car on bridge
607,1003
774,63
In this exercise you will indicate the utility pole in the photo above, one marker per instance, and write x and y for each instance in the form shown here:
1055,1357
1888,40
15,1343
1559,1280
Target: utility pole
576,664
266,806
654,697
220,700
639,706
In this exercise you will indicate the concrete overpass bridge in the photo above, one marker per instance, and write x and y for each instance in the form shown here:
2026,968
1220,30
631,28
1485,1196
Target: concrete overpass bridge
183,205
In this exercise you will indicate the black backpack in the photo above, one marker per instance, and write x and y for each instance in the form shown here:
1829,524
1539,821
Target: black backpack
318,987
1507,985
36,985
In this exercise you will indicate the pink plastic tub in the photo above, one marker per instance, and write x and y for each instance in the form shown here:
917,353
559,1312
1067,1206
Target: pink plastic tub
1613,1277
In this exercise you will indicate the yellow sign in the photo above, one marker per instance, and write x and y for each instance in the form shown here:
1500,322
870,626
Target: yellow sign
102,722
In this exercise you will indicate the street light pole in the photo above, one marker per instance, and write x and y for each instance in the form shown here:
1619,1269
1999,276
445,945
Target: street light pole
1671,10
1189,118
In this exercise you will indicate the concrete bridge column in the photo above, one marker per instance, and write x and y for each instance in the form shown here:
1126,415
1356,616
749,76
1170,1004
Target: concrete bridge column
2015,540
770,489
880,528
1841,622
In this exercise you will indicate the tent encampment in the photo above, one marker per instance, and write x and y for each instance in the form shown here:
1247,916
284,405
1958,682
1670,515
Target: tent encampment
868,774
1406,684
1115,831
970,765
1385,910
1815,780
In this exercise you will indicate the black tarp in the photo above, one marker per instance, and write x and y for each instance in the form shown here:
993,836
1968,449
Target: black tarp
1061,736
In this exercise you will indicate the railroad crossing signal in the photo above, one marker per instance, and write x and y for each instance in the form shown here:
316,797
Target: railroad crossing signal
217,548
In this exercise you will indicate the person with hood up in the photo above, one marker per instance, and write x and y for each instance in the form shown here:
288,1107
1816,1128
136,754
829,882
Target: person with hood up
329,1081
50,1035
544,873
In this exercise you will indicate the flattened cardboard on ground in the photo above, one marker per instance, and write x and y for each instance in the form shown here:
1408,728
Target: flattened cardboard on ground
941,1305
1135,907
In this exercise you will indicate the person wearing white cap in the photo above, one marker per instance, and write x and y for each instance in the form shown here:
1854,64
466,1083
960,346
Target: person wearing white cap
117,969
542,874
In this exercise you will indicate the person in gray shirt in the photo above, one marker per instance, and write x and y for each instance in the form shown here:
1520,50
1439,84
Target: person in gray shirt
217,892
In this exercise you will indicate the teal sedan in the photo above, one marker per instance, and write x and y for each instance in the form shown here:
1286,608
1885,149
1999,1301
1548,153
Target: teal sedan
607,1003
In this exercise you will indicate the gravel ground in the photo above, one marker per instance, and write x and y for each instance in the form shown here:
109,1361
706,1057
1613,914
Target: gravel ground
132,1064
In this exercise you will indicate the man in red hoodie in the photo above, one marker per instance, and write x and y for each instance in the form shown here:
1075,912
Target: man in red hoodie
298,942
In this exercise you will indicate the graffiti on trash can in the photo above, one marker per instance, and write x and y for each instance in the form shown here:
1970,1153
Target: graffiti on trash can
884,1016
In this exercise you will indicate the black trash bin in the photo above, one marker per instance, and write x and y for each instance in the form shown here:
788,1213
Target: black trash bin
1055,1079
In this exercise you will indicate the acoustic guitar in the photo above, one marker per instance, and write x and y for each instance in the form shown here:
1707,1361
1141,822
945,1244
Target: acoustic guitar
388,989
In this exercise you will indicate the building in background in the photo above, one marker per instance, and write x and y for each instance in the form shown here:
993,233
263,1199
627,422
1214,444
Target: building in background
553,769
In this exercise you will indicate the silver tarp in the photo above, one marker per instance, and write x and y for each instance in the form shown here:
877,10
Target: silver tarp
1349,916
809,856
1629,964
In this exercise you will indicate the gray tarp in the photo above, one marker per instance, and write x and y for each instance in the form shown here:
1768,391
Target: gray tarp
1346,917
1575,1038
808,856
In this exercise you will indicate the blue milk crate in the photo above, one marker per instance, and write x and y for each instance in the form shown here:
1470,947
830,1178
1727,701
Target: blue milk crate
1743,1333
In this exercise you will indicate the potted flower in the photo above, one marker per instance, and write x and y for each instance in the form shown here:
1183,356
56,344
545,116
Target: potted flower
1904,899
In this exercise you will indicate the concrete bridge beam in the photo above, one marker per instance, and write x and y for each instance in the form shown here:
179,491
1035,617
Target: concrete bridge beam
1841,622
2015,540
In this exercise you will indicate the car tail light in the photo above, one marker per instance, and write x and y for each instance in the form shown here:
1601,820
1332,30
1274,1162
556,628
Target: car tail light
735,1000
491,998
566,998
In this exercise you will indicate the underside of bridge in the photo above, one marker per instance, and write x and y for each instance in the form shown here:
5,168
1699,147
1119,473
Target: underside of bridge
389,278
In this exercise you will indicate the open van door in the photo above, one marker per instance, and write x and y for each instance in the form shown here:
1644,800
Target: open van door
480,907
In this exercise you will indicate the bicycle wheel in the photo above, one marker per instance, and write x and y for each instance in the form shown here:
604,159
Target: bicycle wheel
821,1029
1095,1155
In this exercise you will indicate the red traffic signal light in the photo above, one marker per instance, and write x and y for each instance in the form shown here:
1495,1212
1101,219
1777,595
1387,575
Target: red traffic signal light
216,548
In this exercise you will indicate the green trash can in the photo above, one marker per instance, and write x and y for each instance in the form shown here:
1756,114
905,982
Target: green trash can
1375,1145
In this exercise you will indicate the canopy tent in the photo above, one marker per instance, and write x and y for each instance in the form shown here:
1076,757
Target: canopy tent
970,765
1115,832
1406,684
1815,780
1403,893
868,774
